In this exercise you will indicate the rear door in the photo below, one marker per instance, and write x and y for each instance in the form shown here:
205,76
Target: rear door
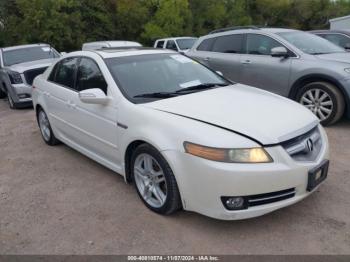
260,69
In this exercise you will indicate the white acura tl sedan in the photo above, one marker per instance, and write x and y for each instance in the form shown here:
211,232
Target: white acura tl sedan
185,136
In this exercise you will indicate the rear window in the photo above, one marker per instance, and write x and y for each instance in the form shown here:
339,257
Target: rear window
160,44
228,44
206,44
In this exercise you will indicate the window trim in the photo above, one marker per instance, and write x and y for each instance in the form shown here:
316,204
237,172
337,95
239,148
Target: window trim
293,54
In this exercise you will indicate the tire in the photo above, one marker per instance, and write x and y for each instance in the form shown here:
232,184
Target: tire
147,188
10,101
45,128
328,103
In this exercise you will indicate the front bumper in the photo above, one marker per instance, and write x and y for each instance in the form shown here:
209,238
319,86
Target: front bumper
202,183
22,95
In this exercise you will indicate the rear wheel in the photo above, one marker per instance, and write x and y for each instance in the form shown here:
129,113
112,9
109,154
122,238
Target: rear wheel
45,128
154,180
324,100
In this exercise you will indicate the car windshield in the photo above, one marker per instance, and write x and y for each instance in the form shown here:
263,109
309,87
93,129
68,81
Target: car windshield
152,76
28,54
186,43
310,44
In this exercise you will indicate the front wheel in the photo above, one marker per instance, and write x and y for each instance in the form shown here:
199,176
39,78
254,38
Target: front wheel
154,180
45,128
10,101
324,100
2,94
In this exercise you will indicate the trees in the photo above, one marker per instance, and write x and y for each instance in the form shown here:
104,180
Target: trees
66,24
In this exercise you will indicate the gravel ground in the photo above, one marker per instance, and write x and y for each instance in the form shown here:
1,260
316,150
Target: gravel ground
53,200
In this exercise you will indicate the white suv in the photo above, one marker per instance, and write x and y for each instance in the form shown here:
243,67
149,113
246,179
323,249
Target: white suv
182,133
179,44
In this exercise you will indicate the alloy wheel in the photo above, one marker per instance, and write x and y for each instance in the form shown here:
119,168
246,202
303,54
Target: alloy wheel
44,126
150,180
319,102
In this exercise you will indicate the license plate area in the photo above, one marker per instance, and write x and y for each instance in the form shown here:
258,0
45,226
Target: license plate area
317,175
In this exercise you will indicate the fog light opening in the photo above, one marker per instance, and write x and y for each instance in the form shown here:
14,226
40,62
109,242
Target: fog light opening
234,203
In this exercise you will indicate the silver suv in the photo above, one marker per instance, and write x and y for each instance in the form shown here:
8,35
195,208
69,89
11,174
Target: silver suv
19,65
291,63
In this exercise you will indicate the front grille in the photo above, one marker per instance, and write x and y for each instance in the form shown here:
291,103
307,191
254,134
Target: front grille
31,74
305,147
263,199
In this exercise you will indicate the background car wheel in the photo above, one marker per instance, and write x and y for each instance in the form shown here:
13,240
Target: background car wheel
324,100
10,101
45,128
154,180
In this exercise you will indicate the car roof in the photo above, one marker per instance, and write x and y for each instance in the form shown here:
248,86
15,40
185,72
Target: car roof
248,30
22,46
122,52
176,38
114,43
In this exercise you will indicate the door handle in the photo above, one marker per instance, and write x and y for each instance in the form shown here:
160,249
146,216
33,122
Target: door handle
246,62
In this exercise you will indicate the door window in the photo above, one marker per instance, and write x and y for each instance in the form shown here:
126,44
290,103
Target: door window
160,44
228,44
90,76
171,45
206,45
260,44
65,72
338,39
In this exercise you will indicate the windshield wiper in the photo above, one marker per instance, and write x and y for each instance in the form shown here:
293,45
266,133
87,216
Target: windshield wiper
200,87
157,95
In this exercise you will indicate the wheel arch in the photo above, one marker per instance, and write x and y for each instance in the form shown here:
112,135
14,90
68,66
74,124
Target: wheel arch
127,157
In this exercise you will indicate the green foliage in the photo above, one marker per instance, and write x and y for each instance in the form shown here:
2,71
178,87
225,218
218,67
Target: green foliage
66,24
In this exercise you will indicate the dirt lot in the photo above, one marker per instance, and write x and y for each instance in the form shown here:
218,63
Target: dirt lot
54,200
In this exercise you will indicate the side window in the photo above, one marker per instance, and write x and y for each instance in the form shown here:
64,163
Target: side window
339,40
260,44
90,76
65,72
206,44
229,44
160,44
53,72
171,45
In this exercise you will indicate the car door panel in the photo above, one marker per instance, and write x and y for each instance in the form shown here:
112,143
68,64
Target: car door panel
260,69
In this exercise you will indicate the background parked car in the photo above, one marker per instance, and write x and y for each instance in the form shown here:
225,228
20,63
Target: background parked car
179,44
291,63
19,65
109,44
339,37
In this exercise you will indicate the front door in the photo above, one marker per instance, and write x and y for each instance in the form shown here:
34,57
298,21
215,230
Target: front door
260,69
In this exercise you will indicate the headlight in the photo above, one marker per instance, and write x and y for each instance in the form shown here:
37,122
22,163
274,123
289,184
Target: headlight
15,77
347,70
239,155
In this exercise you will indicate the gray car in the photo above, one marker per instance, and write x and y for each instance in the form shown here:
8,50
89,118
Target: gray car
291,63
19,65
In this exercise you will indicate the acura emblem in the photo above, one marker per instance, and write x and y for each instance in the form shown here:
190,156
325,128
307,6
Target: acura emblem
310,145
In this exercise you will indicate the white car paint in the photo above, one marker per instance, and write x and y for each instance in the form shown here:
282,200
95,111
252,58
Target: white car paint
236,116
109,44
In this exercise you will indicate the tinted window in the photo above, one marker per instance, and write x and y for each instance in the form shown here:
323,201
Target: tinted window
260,44
228,44
65,74
89,76
160,44
186,43
171,45
23,55
206,44
338,39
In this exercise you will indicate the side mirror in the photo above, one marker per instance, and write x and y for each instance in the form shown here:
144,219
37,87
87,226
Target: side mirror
219,73
279,51
347,47
93,96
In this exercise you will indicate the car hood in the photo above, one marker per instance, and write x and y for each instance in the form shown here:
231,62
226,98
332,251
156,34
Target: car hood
262,116
337,57
20,68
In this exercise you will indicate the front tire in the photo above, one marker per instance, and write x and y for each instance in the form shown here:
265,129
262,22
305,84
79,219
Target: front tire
45,128
324,100
154,180
2,94
10,101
